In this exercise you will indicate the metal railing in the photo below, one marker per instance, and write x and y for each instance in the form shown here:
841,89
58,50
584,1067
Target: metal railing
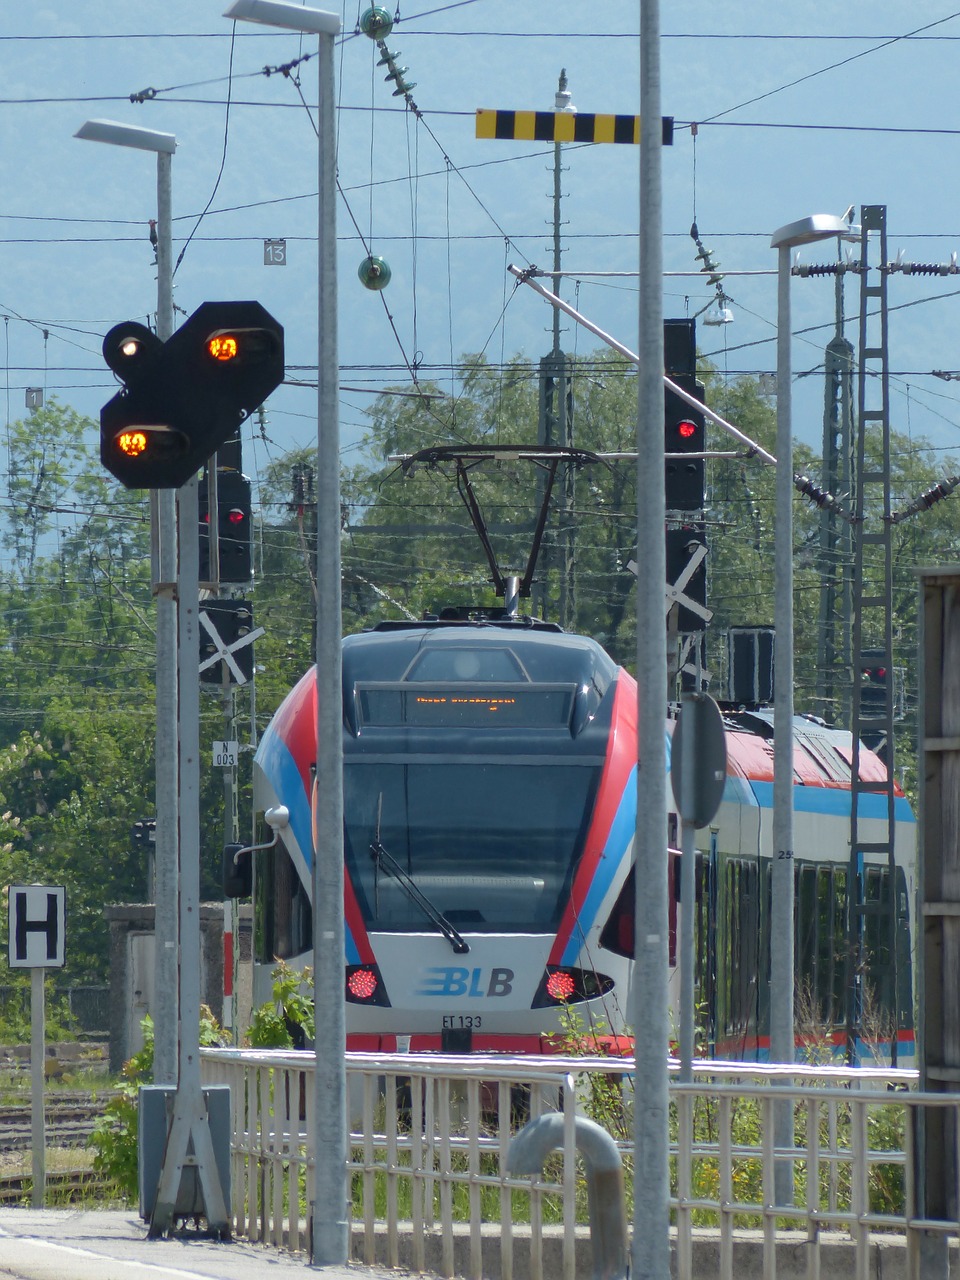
430,1134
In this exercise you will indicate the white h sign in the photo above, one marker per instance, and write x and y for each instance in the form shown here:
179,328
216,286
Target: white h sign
37,926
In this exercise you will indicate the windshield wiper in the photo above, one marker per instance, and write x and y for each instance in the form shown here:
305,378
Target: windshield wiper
386,860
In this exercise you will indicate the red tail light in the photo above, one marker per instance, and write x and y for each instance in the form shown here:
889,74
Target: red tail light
563,984
364,985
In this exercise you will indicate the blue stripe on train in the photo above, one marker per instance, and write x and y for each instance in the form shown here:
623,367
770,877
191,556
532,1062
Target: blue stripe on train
834,801
279,767
618,841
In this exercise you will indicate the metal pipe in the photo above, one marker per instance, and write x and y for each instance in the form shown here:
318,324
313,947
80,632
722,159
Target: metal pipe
526,278
605,1194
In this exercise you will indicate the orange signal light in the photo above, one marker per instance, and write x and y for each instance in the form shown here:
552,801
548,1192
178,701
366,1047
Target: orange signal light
223,347
132,443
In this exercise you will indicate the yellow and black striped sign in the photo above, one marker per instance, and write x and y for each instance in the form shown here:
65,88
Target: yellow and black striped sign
563,126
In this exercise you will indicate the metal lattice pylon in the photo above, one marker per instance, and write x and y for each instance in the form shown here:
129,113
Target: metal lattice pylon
872,629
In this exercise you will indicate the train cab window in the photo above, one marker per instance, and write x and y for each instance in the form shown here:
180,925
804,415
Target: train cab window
465,664
493,845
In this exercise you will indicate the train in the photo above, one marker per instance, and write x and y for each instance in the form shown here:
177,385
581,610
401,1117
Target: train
489,819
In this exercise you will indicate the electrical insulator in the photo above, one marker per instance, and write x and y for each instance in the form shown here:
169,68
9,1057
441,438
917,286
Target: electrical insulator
374,273
926,500
927,268
376,23
819,497
814,269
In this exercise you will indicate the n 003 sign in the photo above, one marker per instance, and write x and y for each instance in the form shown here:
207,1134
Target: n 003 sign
225,754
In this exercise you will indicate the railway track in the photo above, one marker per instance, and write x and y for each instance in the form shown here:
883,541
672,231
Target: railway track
69,1120
64,1186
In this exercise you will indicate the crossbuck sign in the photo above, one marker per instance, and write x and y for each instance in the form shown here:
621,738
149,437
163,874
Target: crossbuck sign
225,652
37,926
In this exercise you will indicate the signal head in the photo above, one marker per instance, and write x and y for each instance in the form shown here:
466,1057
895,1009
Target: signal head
131,350
184,397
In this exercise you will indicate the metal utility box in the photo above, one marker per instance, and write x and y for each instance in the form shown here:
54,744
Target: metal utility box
155,1111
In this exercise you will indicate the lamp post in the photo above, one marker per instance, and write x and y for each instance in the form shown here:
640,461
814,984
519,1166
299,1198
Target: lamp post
330,1218
821,226
163,567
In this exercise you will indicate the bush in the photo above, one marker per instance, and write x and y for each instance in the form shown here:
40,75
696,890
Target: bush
286,1021
15,1024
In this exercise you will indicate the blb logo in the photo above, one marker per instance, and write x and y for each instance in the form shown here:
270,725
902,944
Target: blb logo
451,980
37,926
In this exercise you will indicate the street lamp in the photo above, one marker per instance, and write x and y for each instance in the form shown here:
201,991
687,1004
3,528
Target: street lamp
163,556
821,226
330,1220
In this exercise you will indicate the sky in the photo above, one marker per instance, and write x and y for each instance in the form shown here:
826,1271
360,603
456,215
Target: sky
796,111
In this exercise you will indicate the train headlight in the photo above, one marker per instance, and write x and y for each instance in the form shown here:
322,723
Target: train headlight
364,985
562,984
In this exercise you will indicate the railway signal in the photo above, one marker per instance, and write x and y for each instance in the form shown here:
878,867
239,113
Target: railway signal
144,832
234,529
184,397
684,431
875,689
683,434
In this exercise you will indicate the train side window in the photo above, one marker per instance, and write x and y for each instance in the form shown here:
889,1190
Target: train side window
283,921
806,926
263,907
833,899
617,935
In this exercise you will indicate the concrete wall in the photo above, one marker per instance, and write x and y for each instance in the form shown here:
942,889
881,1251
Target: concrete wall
131,970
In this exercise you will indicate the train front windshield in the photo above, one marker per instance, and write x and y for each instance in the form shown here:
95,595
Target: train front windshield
491,843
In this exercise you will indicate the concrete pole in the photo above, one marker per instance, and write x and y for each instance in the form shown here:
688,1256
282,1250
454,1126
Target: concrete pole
188,647
781,914
781,925
231,834
330,1217
164,537
650,1254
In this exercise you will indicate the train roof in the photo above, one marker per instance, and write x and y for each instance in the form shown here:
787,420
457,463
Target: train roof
511,650
503,651
822,755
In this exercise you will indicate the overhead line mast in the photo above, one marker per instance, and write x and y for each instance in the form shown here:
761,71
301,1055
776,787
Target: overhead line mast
555,417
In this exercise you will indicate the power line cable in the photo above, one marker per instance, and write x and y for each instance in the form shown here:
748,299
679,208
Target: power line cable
223,154
885,44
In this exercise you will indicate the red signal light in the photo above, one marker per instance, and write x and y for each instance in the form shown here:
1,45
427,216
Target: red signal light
362,984
686,429
235,515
